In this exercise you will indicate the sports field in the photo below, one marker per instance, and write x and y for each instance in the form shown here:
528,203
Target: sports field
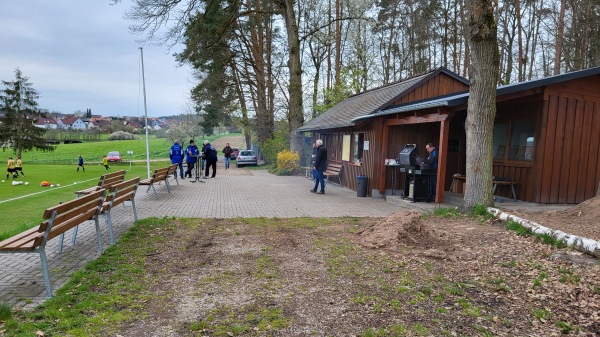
22,206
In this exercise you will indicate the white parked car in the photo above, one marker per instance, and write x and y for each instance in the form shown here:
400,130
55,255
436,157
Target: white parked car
246,157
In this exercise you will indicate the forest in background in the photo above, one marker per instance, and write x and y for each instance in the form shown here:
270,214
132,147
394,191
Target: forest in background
259,61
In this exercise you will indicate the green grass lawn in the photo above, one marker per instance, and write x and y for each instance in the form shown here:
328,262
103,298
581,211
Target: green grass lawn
93,151
22,206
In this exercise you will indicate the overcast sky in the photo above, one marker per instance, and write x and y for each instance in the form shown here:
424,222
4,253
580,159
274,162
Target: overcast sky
79,54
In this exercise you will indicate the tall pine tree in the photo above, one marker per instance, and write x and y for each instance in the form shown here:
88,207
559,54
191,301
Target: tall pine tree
18,101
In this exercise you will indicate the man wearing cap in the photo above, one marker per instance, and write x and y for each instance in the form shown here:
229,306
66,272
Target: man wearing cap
176,156
211,159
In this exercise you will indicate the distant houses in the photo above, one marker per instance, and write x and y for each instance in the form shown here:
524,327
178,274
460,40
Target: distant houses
99,123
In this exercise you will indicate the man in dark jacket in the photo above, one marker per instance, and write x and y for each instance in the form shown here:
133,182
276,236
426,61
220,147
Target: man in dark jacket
432,161
227,151
211,159
320,167
176,156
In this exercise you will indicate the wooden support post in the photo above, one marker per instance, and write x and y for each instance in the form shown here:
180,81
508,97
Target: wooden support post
384,150
442,160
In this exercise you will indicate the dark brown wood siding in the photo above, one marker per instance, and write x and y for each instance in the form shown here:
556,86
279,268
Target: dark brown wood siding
371,158
436,86
568,159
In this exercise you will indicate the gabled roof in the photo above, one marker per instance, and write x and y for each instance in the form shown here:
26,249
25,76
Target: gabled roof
43,121
103,123
463,98
70,120
369,102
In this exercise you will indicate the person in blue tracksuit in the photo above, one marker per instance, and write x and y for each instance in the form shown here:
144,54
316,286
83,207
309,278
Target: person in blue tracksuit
176,156
192,154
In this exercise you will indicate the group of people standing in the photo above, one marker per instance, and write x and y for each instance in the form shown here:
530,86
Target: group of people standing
14,167
207,155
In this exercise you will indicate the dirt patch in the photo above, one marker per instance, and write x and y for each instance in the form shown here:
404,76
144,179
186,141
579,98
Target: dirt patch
407,229
582,219
234,141
403,275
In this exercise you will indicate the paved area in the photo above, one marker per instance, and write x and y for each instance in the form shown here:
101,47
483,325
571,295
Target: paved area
233,193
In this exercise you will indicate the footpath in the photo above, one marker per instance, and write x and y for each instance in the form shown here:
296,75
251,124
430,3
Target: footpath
232,193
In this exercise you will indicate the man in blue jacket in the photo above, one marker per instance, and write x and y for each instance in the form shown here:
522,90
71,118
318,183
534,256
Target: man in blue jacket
192,153
176,156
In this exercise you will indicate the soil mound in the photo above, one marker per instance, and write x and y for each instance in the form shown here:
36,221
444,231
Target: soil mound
581,220
408,229
587,210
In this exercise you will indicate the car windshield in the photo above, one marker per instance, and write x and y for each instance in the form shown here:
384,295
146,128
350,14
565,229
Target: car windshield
246,153
113,154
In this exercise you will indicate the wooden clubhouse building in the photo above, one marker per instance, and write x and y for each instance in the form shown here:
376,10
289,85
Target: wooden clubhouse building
546,133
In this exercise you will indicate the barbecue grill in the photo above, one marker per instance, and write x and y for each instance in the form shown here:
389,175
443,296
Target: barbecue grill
416,180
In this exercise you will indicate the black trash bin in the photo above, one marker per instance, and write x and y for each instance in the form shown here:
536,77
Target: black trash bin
361,186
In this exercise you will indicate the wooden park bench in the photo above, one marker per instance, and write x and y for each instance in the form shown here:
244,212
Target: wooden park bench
117,194
159,175
173,172
307,171
497,181
334,169
106,180
57,220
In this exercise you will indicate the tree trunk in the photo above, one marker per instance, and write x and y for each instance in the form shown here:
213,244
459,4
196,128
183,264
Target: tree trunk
295,113
338,42
560,32
481,110
521,73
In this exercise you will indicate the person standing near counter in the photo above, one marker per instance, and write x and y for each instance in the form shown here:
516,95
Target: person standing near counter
176,156
432,161
192,153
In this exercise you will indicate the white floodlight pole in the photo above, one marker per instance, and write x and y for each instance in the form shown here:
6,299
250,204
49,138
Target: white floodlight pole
145,113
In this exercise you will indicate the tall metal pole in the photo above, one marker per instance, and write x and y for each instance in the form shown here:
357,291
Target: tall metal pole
145,113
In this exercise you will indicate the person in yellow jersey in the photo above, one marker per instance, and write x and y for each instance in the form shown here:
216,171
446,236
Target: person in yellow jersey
105,162
19,166
10,167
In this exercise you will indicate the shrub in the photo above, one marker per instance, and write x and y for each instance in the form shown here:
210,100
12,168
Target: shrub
288,162
121,135
271,147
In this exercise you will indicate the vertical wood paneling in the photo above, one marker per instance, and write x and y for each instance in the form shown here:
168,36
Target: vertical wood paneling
565,167
575,152
591,181
540,152
558,150
586,139
549,150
